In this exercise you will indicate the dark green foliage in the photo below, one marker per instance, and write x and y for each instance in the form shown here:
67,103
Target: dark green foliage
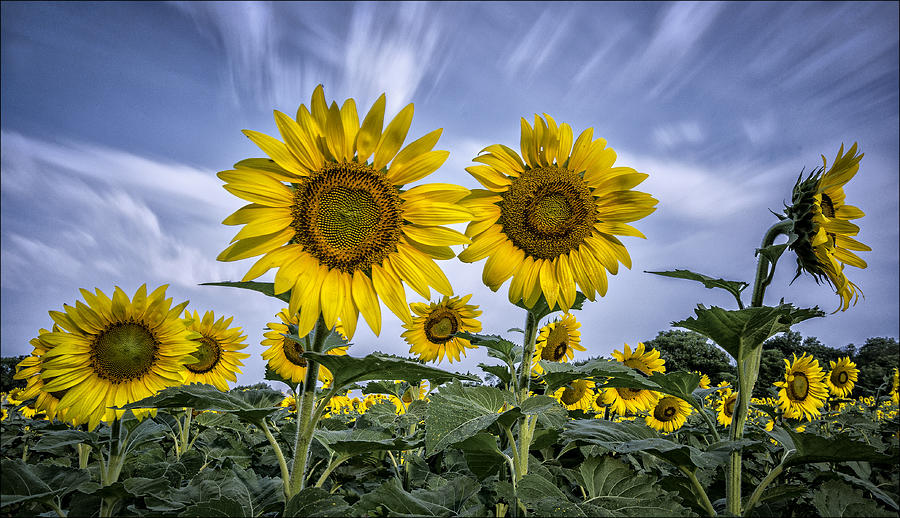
7,371
690,351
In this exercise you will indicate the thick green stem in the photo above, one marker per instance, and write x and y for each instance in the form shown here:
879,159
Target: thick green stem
182,444
110,470
331,467
52,503
306,425
285,475
757,493
528,352
699,491
84,455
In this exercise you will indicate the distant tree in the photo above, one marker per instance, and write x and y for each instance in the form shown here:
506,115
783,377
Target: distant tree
875,359
7,371
690,351
260,385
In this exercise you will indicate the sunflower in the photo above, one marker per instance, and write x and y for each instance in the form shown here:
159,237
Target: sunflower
843,377
803,391
16,398
669,414
30,370
725,407
549,221
623,399
283,354
704,380
647,362
895,388
557,341
413,393
111,352
289,402
822,223
217,355
579,395
336,224
431,333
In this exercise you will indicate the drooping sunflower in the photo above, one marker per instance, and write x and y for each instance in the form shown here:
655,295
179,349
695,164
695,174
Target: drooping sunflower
725,407
803,392
549,217
623,399
111,352
557,341
822,223
669,414
843,377
336,224
217,355
431,334
579,395
30,370
283,354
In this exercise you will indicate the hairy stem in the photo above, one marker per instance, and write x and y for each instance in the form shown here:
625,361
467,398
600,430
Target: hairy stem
699,491
306,425
285,475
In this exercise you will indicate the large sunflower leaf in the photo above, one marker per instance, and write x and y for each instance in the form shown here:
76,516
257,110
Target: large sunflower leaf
615,487
348,369
315,501
741,331
458,494
56,441
733,287
395,501
497,346
548,410
482,454
354,442
809,448
250,405
456,413
266,288
21,484
615,374
837,499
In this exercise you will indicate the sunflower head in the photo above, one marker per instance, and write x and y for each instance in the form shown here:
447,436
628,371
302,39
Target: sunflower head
843,377
704,380
549,217
669,414
647,362
557,341
803,392
579,395
217,353
432,333
725,407
821,224
284,354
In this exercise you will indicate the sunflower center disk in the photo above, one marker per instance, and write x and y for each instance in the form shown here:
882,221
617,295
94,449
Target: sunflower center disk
827,206
207,355
441,326
628,393
843,377
123,352
799,387
292,352
729,406
348,216
548,212
664,411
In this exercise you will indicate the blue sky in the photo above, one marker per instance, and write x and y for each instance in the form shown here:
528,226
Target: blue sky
116,117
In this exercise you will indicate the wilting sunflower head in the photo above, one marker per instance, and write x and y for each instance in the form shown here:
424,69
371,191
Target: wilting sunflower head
111,352
557,342
803,392
432,333
549,217
579,395
725,407
669,414
647,362
327,211
284,354
217,353
843,377
821,222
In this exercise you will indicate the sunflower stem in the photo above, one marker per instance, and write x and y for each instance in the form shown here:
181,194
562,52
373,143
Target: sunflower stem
185,434
754,498
306,424
527,354
285,474
84,455
698,490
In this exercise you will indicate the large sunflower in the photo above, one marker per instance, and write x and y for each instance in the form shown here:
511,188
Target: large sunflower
579,395
669,414
335,223
283,354
557,341
622,399
823,228
549,221
30,370
803,391
217,356
843,377
431,334
111,352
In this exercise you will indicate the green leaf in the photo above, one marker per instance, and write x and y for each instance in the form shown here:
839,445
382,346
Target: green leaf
501,371
534,488
348,369
251,405
541,309
58,441
315,501
221,421
21,484
482,454
741,331
272,375
396,502
733,287
456,413
145,432
615,373
222,506
384,387
266,288
837,499
614,486
355,441
457,494
774,252
809,448
550,413
497,346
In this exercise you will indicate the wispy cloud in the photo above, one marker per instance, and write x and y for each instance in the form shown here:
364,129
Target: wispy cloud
533,48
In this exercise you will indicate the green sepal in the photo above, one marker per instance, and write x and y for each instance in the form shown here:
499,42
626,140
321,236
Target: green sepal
541,309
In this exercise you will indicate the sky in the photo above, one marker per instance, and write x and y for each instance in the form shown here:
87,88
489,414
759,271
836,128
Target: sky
117,116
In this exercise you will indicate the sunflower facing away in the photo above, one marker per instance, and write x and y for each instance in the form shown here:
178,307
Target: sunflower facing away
431,333
622,399
557,342
822,223
725,407
803,391
579,395
549,217
843,377
217,355
669,414
111,352
327,211
283,354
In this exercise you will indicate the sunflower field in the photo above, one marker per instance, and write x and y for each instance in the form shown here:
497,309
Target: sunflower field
128,408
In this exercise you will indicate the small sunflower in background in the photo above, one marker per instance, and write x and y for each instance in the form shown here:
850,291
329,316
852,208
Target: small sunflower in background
557,341
549,218
645,361
803,392
725,407
579,395
705,382
623,399
431,334
217,355
823,228
114,351
30,370
283,354
669,414
289,402
895,388
415,392
327,210
843,377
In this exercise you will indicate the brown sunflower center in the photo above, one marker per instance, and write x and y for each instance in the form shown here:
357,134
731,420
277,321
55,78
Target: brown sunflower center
665,410
798,388
207,354
441,325
842,378
548,212
348,216
292,352
573,394
827,206
728,408
557,344
628,393
124,351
